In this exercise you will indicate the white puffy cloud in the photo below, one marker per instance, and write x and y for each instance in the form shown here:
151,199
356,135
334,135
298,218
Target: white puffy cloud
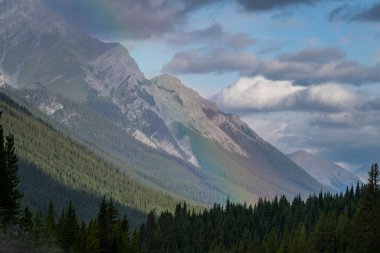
261,94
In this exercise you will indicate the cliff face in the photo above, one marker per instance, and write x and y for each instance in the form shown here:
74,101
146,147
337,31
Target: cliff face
38,49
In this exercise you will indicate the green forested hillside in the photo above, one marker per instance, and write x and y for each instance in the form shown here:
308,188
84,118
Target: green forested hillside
100,134
72,165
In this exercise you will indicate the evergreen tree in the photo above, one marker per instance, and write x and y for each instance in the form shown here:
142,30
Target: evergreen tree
104,227
125,224
9,194
367,220
69,229
26,220
50,220
125,230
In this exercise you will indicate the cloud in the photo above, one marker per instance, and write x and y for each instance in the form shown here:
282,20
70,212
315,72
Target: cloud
356,12
139,20
213,35
342,142
348,135
191,5
250,5
122,18
261,94
196,61
306,67
342,12
313,56
271,45
370,14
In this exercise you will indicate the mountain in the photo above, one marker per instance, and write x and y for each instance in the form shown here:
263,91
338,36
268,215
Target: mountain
329,174
54,167
160,132
39,50
362,172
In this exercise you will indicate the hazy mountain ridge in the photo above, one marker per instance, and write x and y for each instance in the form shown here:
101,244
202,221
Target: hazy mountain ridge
329,174
362,172
207,149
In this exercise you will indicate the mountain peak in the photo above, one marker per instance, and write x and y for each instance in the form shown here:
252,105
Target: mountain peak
22,16
301,152
53,55
167,78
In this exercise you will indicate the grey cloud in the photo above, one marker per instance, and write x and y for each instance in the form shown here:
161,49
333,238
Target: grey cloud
249,5
136,19
354,141
371,105
311,72
356,12
213,35
343,120
370,14
265,5
306,67
194,61
318,56
354,119
191,5
271,46
342,12
291,131
252,5
122,18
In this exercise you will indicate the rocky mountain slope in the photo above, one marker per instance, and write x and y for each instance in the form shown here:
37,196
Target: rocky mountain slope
177,140
329,174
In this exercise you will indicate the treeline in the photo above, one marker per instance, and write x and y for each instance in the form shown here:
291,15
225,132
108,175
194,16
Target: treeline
44,233
348,222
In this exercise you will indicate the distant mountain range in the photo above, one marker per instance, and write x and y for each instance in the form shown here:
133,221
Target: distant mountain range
157,131
329,174
362,172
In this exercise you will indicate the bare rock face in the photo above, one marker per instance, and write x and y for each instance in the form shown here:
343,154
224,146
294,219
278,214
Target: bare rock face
39,49
215,154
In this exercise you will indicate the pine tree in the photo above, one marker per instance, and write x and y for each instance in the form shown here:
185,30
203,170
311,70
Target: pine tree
125,231
112,213
50,220
104,232
26,220
134,243
367,220
70,229
9,194
125,224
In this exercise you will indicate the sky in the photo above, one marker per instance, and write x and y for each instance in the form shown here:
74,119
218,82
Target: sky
304,74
